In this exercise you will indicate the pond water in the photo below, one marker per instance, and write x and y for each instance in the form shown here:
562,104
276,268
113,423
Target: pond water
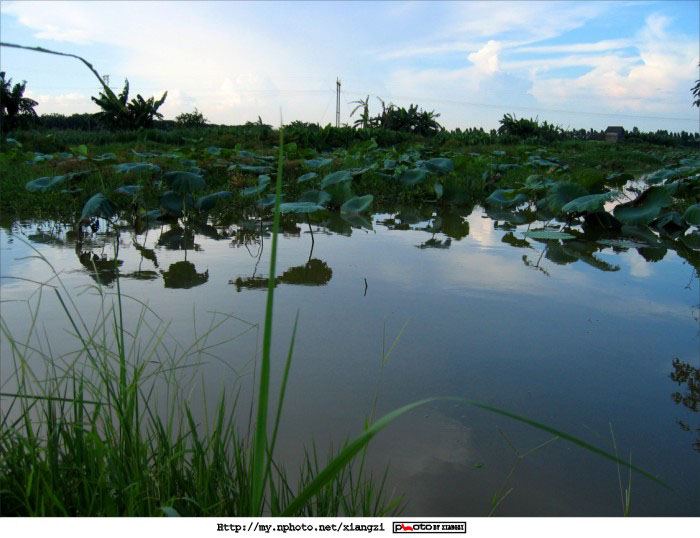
585,337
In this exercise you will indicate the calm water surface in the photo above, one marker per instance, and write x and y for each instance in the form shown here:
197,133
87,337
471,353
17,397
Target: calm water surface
583,342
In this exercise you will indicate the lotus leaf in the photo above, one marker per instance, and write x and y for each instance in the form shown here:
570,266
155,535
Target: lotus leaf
267,201
691,240
205,203
560,194
307,177
315,197
359,171
341,176
318,163
105,157
98,206
250,168
389,164
548,234
145,155
498,153
263,183
358,204
213,150
413,176
135,168
45,184
300,207
129,190
80,150
172,203
670,224
439,191
645,208
589,203
506,198
439,165
184,182
692,215
340,193
357,220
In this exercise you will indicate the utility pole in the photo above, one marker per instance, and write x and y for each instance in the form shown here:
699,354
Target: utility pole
337,102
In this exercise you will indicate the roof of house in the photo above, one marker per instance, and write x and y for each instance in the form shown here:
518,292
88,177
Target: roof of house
615,129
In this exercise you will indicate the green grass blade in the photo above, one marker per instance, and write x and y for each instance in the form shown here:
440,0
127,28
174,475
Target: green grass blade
345,456
565,436
260,442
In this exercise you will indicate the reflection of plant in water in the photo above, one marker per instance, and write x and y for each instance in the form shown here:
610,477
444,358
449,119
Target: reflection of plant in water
183,275
689,376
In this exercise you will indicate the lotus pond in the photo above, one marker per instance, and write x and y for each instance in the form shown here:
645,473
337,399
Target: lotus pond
566,295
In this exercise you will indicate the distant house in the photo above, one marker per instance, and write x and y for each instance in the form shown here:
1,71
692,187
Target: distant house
615,134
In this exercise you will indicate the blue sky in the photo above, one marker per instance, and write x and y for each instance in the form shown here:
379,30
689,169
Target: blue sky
577,64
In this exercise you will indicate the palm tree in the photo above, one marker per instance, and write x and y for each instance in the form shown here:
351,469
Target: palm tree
363,120
696,92
13,105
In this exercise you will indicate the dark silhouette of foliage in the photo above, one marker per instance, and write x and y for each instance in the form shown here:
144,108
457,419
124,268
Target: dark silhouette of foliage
15,109
696,92
191,119
122,114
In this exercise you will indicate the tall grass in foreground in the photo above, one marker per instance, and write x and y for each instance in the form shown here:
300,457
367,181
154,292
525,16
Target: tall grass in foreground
90,436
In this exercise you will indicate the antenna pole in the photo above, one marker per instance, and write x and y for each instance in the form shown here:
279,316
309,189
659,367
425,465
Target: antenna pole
337,102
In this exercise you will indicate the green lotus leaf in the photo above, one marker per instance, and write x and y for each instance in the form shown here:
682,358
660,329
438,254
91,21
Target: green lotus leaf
39,157
560,194
250,168
548,234
439,165
692,215
506,198
670,224
340,193
136,168
498,153
356,220
589,203
105,157
129,190
98,206
356,172
315,197
691,240
268,201
341,176
184,182
318,163
172,203
263,183
439,191
205,203
358,204
65,155
80,150
143,154
413,176
389,164
300,207
621,243
645,208
72,192
307,177
213,150
45,184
